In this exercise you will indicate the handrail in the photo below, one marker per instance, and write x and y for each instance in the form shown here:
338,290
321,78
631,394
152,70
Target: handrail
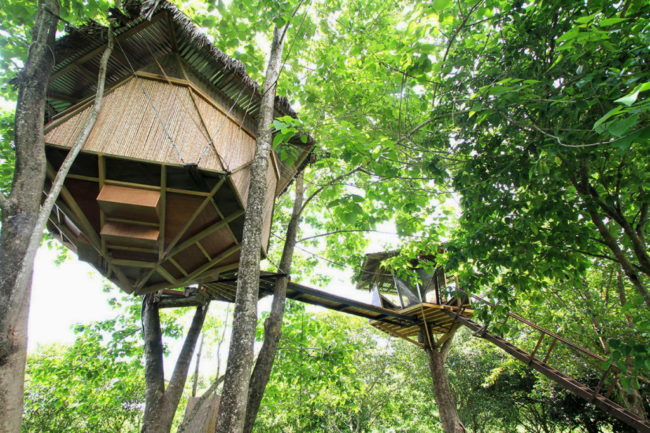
547,332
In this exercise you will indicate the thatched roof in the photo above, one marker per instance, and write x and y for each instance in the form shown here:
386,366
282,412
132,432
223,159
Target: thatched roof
149,30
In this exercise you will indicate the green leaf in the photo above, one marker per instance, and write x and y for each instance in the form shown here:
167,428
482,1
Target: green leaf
586,19
598,125
619,128
611,21
628,99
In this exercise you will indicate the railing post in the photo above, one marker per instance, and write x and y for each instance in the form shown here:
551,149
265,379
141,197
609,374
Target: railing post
550,349
539,343
601,382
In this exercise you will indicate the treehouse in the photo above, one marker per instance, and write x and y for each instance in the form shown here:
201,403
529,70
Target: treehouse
424,291
157,197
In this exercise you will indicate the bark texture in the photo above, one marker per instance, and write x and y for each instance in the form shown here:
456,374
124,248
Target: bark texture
273,325
20,213
23,216
436,356
161,403
232,411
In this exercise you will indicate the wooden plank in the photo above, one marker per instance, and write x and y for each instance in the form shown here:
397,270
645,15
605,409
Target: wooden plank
129,203
128,196
117,231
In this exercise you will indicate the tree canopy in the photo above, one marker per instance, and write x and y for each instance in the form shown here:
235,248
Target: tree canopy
511,139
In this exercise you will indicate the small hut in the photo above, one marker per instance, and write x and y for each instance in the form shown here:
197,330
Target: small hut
424,290
156,199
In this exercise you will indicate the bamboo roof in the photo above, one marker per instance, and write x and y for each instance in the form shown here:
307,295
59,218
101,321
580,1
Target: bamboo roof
146,31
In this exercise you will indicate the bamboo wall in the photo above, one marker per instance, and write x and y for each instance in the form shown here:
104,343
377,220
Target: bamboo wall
169,122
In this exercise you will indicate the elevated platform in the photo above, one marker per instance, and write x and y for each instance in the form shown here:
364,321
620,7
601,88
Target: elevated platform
436,316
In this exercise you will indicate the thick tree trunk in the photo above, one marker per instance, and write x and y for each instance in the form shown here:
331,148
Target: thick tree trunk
273,325
232,410
23,216
161,403
154,367
19,215
436,356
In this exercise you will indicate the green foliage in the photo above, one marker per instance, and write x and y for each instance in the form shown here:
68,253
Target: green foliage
334,373
96,384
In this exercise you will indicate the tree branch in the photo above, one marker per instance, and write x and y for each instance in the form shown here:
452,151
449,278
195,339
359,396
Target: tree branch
179,376
57,184
344,231
323,186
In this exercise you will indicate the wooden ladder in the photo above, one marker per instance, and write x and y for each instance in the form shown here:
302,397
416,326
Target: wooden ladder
592,395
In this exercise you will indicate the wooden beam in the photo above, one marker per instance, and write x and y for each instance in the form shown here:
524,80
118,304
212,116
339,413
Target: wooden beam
214,273
195,215
61,97
217,259
138,185
221,215
129,221
178,266
101,173
204,233
132,263
83,222
166,275
145,277
124,281
203,251
85,72
163,211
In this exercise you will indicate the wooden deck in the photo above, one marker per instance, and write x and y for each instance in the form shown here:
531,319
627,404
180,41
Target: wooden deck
436,316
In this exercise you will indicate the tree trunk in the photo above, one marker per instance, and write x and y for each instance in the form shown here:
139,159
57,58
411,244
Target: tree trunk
436,356
23,216
161,403
19,215
273,325
154,367
232,410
